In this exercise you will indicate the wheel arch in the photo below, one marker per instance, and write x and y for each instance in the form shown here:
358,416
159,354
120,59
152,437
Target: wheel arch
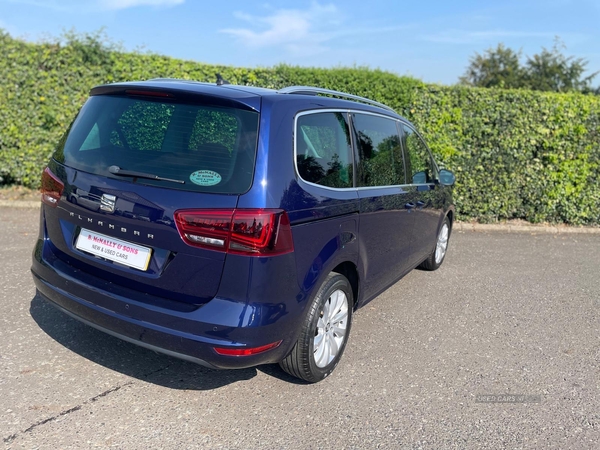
450,215
350,271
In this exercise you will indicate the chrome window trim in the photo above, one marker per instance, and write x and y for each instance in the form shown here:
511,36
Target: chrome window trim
390,186
347,112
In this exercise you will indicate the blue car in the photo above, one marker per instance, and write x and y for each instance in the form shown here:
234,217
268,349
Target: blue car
234,226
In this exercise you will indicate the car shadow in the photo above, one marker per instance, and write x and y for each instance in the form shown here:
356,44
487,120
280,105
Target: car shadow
135,361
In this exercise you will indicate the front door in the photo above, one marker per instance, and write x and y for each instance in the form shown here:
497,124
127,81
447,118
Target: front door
386,223
426,197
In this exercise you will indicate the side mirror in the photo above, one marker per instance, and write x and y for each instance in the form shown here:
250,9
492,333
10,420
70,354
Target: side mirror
447,178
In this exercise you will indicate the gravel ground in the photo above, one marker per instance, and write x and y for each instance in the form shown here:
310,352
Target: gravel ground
508,315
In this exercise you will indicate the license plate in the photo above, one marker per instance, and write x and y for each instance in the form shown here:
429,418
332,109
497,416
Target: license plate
116,250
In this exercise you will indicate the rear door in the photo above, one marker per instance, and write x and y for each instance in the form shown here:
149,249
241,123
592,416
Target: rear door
129,161
386,222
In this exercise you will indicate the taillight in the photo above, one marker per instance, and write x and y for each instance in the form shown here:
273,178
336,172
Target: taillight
52,188
255,232
208,229
246,351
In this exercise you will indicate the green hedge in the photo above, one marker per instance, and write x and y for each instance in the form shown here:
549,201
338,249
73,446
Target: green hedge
517,154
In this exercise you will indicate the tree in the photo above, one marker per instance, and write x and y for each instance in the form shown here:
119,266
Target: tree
496,67
550,70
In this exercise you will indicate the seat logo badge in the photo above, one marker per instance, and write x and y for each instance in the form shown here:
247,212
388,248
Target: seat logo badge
108,202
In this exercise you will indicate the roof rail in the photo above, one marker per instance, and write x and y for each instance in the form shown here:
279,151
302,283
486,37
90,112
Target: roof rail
310,90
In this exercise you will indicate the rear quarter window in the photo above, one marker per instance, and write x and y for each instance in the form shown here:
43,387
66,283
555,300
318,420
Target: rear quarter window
323,149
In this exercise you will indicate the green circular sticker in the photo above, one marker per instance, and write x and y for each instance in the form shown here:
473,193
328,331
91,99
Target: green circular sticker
205,178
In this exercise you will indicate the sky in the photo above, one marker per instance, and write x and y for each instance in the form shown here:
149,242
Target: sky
429,39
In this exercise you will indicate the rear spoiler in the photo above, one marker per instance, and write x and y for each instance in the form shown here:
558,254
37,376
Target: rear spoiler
183,91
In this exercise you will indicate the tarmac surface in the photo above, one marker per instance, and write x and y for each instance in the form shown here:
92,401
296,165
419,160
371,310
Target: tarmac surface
500,348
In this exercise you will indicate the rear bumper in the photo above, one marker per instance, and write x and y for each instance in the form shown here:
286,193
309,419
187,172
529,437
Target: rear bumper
127,338
189,334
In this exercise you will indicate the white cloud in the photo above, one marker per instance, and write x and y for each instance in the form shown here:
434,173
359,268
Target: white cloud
302,32
124,4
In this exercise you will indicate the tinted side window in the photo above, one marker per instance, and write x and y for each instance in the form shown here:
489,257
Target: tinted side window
419,165
379,151
323,150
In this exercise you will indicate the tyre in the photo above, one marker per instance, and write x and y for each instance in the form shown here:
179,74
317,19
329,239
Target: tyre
324,332
436,258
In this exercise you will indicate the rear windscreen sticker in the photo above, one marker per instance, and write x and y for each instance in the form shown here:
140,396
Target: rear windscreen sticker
205,178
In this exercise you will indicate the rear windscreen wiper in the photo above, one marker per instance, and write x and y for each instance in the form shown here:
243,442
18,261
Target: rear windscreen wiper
116,170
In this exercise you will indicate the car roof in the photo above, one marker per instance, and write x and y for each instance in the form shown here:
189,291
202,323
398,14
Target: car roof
247,95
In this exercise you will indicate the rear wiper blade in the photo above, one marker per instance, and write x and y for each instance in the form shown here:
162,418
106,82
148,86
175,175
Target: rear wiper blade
116,170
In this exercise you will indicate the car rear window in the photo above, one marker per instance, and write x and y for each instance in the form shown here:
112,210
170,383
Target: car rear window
197,147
